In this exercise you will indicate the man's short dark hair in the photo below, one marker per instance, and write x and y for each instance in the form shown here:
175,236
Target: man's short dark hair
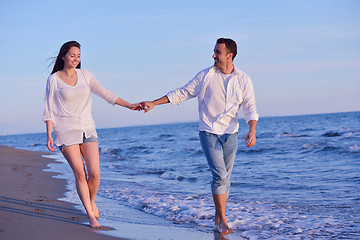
230,45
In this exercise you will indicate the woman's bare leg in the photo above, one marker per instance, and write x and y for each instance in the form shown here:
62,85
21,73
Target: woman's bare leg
90,152
73,155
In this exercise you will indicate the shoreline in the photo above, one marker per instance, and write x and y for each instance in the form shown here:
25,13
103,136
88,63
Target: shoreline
28,201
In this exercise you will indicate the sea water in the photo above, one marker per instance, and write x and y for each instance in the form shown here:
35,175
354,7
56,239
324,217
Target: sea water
300,181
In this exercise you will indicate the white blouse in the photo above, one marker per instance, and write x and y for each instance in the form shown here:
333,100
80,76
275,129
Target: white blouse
69,107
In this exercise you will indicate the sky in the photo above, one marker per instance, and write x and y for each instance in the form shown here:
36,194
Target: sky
303,56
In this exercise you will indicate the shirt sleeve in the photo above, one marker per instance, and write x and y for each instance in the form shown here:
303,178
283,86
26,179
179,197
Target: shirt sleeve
100,91
188,91
48,100
249,105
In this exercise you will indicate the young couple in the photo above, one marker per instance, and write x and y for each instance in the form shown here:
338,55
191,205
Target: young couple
221,90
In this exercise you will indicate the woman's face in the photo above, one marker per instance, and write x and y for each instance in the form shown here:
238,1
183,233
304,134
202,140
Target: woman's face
72,58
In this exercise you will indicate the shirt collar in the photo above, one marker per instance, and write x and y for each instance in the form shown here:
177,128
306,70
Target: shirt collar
236,70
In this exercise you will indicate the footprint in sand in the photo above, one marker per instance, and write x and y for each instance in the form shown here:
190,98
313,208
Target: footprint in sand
38,210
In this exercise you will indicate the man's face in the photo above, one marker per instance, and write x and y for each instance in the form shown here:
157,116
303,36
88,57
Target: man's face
221,55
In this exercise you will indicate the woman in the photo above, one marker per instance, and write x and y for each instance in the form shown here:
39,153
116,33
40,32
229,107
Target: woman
68,111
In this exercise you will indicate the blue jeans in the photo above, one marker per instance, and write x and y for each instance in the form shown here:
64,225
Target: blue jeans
220,151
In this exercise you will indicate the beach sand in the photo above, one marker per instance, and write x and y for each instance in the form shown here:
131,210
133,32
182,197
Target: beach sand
29,208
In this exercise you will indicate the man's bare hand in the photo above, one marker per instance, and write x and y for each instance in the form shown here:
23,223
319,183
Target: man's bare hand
147,106
250,139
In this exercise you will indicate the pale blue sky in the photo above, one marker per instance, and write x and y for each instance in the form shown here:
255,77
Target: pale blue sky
303,56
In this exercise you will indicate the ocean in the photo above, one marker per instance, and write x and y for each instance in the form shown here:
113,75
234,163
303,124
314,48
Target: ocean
300,181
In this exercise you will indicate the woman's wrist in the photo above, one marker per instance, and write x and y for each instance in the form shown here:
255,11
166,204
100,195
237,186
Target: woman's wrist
129,105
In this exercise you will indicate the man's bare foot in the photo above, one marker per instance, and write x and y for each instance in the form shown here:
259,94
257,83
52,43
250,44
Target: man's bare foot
95,210
222,228
94,223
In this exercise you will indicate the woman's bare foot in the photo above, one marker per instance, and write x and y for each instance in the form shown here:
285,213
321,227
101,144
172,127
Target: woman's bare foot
95,210
94,223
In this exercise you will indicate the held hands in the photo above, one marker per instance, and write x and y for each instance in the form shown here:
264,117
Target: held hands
135,106
132,106
146,106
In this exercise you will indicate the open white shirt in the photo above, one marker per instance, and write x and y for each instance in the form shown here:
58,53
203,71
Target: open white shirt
219,102
69,107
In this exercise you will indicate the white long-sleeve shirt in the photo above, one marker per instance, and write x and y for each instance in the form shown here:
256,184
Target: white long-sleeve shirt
69,107
220,97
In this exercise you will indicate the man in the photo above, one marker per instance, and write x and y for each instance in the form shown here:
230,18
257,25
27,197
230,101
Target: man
221,90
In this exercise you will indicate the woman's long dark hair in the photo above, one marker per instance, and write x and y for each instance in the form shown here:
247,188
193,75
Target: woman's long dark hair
59,62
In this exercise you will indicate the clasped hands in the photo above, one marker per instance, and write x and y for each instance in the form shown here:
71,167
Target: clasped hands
143,106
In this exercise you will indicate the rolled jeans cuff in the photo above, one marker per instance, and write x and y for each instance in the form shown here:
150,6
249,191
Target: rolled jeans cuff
220,187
